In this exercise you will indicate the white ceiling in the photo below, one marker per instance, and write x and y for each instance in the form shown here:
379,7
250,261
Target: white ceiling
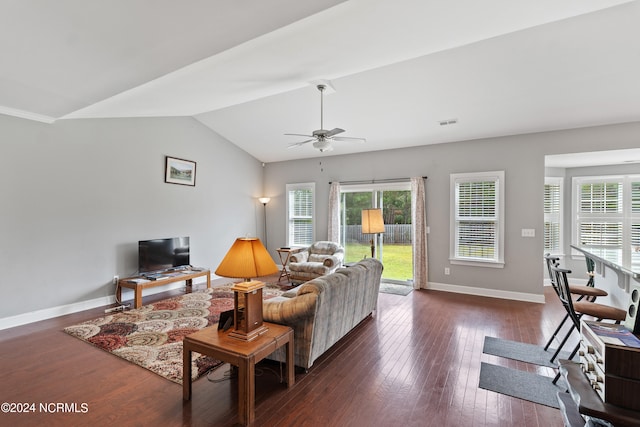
399,67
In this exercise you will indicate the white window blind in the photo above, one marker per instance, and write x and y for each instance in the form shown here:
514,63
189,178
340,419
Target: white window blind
553,215
607,211
635,211
300,214
477,220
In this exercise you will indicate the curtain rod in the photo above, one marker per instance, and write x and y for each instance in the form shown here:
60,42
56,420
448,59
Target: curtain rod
374,181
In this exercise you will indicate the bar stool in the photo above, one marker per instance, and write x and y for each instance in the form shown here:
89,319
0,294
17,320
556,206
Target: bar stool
588,291
577,309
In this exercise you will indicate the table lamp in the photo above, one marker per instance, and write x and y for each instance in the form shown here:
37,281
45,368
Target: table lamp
372,223
247,258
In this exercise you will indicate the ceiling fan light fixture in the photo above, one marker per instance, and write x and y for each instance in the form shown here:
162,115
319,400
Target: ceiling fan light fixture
322,145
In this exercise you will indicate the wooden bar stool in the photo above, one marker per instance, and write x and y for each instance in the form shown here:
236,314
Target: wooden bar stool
577,309
588,291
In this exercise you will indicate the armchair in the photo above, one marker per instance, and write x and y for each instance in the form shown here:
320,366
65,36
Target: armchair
319,259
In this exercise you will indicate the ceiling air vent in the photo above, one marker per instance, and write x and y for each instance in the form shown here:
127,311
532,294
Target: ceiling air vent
448,122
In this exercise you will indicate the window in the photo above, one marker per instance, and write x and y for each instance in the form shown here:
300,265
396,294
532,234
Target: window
300,214
477,224
553,215
607,211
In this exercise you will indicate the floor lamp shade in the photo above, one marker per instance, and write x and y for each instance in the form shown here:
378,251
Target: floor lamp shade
247,258
372,223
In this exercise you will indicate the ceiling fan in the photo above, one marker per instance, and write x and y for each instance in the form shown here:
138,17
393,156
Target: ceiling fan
322,138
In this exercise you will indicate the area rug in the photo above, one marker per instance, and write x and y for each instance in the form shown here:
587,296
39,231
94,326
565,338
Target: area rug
523,352
151,336
394,288
521,384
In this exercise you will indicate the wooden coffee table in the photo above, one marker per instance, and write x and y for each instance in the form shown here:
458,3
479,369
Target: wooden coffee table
243,354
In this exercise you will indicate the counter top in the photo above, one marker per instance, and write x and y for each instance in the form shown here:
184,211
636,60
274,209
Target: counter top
624,261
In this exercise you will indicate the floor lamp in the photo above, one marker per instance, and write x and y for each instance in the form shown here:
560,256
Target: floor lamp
372,223
264,201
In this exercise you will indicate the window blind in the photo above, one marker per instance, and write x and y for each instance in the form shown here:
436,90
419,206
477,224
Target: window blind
552,217
300,213
607,211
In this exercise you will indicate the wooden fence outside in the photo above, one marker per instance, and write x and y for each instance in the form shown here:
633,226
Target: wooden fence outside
393,233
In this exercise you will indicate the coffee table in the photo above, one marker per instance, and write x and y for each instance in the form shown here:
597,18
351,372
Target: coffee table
244,354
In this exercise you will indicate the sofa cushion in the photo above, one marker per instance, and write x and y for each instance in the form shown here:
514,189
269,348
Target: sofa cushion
324,248
318,257
309,267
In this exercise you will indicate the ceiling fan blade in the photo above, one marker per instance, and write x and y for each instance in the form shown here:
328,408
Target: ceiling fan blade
298,134
333,131
348,138
298,144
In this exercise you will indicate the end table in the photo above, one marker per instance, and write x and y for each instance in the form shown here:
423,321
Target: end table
244,354
284,254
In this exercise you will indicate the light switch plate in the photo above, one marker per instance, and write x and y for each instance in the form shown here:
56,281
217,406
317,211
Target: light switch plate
528,232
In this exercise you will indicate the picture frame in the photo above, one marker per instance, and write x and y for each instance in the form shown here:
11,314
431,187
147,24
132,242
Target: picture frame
180,171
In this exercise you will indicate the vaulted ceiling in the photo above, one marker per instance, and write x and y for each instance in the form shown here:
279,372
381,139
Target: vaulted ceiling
248,69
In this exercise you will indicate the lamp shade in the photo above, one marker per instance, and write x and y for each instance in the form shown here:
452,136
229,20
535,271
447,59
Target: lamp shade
264,200
372,221
247,258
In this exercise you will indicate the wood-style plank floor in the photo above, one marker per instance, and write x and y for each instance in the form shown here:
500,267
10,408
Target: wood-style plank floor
415,362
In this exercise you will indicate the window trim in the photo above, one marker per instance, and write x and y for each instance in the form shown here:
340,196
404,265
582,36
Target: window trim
498,177
300,186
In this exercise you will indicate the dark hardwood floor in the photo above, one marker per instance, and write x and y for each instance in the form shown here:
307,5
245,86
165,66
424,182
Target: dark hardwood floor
415,362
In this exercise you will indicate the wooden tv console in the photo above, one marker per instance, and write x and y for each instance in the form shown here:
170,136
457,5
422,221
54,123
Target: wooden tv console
138,283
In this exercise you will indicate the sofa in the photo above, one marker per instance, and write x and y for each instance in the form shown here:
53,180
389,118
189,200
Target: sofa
325,309
319,259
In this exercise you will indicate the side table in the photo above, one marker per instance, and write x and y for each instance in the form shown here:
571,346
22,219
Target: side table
244,354
284,254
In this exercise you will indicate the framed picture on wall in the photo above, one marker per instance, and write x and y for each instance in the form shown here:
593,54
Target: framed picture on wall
180,171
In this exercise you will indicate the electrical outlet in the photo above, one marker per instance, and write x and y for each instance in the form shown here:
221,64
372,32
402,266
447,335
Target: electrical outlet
115,279
447,271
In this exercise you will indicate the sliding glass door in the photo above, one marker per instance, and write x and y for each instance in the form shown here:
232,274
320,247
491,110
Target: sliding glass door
394,246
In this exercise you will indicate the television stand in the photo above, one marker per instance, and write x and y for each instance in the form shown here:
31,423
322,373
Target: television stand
138,283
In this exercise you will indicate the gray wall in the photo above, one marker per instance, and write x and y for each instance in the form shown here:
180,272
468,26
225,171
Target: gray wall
520,156
77,196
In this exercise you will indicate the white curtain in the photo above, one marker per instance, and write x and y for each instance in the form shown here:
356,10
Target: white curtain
419,224
333,232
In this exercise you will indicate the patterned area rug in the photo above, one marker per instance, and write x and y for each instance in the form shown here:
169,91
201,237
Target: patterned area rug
151,336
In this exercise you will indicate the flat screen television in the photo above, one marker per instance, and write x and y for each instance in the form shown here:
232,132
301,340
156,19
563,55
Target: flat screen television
162,254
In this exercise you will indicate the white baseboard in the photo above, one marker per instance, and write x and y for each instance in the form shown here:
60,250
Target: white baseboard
48,313
483,292
61,310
